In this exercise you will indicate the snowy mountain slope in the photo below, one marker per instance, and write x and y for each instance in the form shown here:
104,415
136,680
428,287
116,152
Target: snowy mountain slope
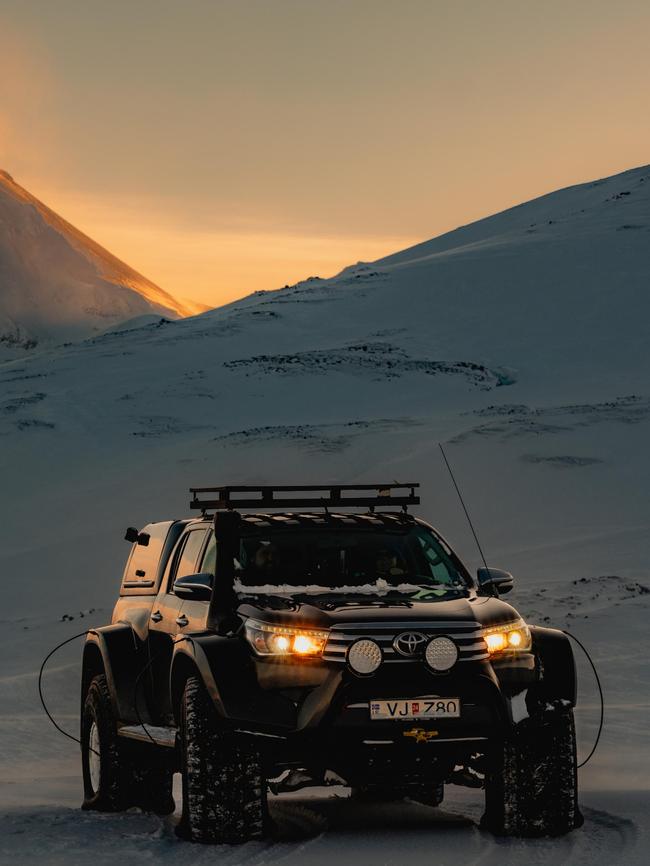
520,342
582,207
58,284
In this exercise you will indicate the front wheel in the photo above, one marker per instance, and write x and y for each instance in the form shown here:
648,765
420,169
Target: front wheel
531,786
224,785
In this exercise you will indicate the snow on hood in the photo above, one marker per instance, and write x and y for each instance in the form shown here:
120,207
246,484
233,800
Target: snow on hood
379,587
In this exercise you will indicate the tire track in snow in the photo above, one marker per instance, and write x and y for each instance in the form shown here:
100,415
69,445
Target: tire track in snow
386,834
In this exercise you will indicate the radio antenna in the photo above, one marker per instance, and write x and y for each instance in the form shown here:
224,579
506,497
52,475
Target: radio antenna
462,502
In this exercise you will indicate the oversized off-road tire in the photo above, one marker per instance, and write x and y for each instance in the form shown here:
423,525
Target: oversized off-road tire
105,785
224,785
118,775
531,786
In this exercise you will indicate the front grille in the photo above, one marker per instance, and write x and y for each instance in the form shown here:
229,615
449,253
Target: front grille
466,635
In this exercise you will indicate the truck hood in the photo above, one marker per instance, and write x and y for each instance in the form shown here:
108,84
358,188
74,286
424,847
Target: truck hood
325,611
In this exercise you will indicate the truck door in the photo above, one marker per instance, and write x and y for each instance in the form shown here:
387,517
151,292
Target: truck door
166,622
194,614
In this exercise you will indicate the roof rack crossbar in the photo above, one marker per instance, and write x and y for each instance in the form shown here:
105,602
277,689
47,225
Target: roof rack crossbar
265,497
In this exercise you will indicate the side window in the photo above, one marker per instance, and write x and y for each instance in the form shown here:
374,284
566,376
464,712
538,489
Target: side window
190,553
210,556
142,570
436,560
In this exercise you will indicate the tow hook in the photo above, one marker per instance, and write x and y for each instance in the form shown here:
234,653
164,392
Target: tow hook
421,735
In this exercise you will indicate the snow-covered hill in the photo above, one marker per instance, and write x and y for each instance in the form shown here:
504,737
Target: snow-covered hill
521,342
57,284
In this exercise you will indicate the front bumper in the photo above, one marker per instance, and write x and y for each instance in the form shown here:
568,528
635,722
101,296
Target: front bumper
333,729
316,697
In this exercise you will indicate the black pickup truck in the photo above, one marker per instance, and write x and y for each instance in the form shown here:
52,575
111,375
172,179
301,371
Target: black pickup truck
302,636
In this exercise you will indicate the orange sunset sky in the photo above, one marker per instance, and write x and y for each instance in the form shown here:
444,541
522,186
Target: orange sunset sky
223,146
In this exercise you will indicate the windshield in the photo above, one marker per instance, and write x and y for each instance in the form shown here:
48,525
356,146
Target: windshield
353,560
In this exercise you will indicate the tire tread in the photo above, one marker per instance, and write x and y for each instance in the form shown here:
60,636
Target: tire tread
532,786
224,791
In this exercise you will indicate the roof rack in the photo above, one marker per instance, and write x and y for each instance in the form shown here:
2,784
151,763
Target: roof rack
322,496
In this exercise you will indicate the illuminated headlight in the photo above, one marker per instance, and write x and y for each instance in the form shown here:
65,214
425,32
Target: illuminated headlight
280,640
441,654
364,656
511,636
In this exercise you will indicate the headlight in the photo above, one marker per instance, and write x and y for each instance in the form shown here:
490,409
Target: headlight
510,636
280,640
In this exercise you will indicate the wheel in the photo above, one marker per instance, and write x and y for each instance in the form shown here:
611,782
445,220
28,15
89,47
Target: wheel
224,789
118,775
103,774
531,786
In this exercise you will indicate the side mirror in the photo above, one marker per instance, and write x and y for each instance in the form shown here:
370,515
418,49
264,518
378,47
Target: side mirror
133,535
493,579
194,587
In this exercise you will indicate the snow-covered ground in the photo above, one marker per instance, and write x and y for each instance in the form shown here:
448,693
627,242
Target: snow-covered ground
521,342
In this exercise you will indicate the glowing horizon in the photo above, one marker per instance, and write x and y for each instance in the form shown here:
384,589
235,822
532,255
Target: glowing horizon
170,254
224,147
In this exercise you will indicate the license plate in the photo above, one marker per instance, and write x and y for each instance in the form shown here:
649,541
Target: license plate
418,708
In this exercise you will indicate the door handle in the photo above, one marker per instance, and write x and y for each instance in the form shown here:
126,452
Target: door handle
182,620
156,617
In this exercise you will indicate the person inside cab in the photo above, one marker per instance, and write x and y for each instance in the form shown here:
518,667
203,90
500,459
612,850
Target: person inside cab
264,560
388,564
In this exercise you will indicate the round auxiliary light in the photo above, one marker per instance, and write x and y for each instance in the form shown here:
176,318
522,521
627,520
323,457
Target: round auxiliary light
364,656
441,654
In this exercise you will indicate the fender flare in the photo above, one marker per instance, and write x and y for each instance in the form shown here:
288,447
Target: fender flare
225,667
189,658
113,651
557,674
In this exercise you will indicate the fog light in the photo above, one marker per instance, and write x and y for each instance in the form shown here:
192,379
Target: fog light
441,654
364,656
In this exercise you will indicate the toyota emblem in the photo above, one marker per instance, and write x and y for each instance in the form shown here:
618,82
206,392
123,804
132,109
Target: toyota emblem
409,643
